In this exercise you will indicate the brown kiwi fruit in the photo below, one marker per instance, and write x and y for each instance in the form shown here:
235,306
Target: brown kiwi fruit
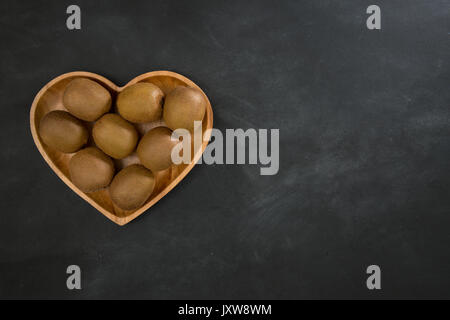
131,187
115,136
86,99
62,131
91,170
155,149
182,107
140,102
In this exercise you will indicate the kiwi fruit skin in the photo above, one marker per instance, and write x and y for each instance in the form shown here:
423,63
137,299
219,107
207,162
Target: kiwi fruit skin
182,107
86,99
91,170
155,149
60,130
131,187
115,136
140,102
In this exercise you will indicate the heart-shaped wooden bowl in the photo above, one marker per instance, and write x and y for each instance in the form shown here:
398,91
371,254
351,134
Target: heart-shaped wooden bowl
50,98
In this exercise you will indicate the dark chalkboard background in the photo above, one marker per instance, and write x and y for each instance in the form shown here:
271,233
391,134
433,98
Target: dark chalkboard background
364,149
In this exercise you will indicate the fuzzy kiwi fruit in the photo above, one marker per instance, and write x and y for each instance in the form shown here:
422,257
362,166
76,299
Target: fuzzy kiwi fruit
86,99
131,187
155,149
91,170
62,131
182,107
115,136
141,102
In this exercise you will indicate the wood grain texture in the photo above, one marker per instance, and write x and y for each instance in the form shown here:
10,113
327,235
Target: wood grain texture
49,98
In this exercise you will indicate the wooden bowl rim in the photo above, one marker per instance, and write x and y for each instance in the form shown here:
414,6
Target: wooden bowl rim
119,220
